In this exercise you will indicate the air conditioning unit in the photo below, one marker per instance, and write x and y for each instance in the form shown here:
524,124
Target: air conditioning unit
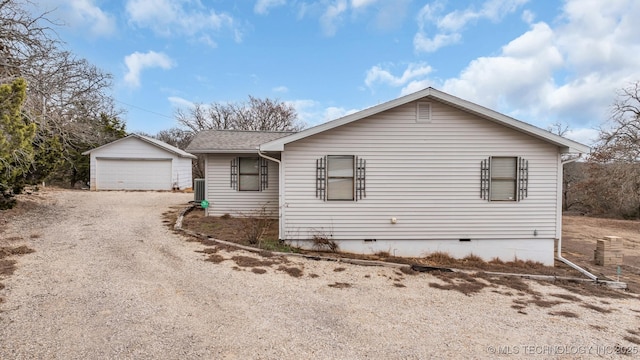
198,191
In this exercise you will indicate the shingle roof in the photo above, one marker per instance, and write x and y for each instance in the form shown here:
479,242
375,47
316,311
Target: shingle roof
211,141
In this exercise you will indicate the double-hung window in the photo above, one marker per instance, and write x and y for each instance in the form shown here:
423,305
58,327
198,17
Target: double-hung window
504,178
249,174
340,178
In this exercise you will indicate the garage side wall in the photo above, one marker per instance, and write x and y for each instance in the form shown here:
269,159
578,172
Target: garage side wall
182,177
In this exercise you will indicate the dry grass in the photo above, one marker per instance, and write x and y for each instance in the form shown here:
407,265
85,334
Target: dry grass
461,282
545,303
568,314
292,271
596,308
567,297
248,261
340,285
215,258
225,227
20,250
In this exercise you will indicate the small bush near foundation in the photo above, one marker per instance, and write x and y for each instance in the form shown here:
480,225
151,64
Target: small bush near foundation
323,243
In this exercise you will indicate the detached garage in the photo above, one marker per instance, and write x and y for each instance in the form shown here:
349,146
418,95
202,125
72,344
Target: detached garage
138,162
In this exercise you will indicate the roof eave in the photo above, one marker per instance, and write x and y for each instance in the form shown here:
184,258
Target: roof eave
224,151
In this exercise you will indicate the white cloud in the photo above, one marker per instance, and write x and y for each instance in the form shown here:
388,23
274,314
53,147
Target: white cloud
262,6
86,14
377,74
280,89
332,113
584,135
332,16
568,72
356,4
137,62
426,44
178,102
180,17
450,26
307,111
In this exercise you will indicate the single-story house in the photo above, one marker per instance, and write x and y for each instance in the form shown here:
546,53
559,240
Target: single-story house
422,173
138,162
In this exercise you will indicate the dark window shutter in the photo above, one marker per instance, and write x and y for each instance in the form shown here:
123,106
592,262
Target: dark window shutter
234,174
523,178
361,177
485,178
321,178
264,174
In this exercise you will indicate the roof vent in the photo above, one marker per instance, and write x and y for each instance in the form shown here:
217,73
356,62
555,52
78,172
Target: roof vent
423,112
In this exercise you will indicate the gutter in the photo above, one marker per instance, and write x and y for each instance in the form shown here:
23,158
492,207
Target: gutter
280,193
559,254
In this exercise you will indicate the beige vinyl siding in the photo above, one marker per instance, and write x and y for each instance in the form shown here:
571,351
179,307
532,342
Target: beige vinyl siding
424,174
225,200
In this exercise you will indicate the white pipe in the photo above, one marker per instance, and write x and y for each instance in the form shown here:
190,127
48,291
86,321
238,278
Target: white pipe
280,193
559,255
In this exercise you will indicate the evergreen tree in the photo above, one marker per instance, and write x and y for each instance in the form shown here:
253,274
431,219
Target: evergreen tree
16,136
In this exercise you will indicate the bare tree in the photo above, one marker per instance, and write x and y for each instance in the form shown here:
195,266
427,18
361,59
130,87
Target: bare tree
614,171
255,114
67,97
559,128
181,138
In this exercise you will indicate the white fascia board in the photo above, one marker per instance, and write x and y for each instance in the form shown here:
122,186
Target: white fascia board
235,151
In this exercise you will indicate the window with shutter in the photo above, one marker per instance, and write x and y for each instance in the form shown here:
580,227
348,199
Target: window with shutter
341,178
504,178
249,174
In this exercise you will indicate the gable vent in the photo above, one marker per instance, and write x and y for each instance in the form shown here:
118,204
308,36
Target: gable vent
423,112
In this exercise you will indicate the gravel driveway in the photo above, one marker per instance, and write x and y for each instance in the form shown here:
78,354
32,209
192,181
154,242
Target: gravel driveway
109,280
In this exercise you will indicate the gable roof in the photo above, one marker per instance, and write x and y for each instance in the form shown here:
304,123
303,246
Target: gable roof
155,142
568,146
221,141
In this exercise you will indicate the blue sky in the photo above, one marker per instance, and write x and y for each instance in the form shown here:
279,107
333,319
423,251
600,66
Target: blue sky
538,61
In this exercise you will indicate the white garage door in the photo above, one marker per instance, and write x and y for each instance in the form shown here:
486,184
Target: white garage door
122,174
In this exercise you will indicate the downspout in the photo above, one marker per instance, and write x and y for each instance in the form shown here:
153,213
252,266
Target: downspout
280,193
559,255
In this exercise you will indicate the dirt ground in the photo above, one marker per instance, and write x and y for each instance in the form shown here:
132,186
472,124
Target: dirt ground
103,275
580,235
579,242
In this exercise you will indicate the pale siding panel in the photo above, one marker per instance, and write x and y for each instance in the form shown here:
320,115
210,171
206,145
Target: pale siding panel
427,175
182,173
225,200
133,148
